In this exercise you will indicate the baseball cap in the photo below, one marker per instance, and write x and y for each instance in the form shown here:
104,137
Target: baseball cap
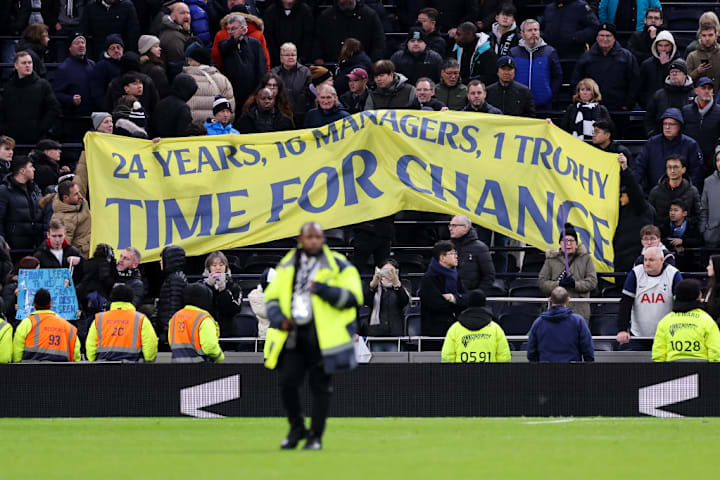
357,74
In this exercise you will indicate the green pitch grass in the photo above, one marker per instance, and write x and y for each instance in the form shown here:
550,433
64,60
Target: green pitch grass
369,449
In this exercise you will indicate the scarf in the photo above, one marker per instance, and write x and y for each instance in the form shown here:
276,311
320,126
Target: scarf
301,299
449,275
584,120
703,110
678,232
375,314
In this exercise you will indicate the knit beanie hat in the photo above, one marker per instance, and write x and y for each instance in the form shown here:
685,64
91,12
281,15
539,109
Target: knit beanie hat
319,74
97,118
221,103
146,42
137,115
112,39
569,232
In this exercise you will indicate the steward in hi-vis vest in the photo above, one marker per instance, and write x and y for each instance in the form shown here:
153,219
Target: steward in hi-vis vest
45,337
121,334
6,334
193,333
688,333
475,337
311,305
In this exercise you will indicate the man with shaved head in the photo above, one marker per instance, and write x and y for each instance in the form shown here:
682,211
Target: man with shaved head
475,264
647,296
311,305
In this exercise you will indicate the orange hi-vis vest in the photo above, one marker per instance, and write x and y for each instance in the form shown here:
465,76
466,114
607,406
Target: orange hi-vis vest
185,336
118,334
51,339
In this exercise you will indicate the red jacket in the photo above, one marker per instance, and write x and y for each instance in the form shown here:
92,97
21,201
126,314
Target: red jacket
255,30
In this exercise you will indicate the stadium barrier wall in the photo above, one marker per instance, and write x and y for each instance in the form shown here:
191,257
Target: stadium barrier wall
386,390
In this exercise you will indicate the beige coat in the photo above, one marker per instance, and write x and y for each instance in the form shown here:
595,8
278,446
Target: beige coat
582,269
81,175
210,82
76,219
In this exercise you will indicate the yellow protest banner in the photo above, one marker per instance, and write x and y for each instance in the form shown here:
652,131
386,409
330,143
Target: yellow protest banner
520,177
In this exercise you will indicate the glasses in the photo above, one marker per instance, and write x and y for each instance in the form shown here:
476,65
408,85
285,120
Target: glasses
674,167
654,17
451,253
570,240
456,225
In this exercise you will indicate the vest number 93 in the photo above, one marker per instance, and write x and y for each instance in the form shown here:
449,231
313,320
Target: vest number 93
686,346
474,357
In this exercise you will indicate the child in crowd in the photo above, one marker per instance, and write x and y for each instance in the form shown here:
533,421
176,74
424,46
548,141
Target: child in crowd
650,237
682,232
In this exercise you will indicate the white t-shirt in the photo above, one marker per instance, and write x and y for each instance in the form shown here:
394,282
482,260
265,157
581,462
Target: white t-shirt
58,254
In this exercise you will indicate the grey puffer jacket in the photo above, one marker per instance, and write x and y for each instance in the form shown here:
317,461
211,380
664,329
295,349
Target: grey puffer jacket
710,210
581,268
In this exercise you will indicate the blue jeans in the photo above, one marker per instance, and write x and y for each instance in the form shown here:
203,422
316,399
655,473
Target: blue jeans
500,258
7,51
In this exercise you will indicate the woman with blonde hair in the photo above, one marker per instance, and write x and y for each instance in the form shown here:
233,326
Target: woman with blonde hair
581,115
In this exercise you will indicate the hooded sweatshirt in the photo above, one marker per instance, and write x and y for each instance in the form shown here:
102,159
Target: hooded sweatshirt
559,335
478,62
652,72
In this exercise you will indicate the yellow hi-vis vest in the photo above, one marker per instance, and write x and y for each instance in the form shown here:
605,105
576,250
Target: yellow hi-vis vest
334,326
486,345
686,335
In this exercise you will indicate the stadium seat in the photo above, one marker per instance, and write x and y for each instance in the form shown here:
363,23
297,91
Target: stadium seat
412,324
603,324
517,319
258,263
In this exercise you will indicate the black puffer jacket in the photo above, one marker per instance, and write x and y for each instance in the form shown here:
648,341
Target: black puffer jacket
392,312
475,265
661,196
616,74
633,216
170,299
28,109
172,117
22,217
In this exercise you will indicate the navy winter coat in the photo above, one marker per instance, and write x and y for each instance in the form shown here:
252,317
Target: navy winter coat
559,335
538,69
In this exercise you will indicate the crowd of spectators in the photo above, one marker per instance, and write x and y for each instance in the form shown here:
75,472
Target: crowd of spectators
193,67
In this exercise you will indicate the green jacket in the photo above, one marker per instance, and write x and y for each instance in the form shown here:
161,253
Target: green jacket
686,335
336,294
6,336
